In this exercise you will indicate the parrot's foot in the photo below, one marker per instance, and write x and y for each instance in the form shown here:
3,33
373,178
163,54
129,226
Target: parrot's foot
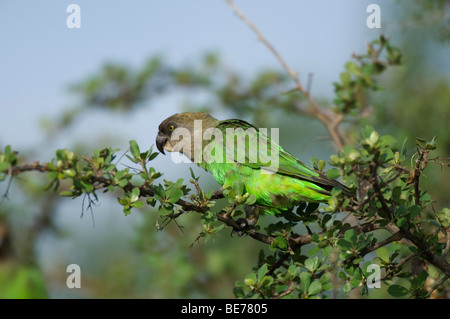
246,225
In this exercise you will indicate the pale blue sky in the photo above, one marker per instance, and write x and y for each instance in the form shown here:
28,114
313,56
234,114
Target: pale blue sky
40,56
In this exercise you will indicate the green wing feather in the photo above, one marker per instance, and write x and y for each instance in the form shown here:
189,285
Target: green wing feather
287,164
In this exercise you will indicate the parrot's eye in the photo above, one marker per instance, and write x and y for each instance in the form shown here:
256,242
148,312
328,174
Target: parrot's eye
171,127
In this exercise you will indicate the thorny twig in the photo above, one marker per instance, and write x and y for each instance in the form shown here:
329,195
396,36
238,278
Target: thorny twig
330,120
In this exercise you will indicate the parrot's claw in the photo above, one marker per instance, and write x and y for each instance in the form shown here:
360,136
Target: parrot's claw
246,227
247,224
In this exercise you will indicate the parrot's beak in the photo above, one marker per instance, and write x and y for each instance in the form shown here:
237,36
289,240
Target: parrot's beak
161,141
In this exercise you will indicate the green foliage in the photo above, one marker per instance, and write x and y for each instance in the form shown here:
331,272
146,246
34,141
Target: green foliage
359,76
341,250
335,248
21,282
431,16
311,252
118,87
7,159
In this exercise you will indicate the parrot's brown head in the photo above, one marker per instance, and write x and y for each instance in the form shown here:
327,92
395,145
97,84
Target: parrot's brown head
174,129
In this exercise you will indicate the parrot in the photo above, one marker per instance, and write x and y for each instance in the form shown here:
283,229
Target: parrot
277,188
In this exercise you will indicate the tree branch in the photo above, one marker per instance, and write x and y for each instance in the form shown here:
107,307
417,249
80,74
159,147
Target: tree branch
294,240
440,282
427,253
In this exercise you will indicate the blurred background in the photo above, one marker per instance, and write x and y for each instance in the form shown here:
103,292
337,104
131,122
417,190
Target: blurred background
134,63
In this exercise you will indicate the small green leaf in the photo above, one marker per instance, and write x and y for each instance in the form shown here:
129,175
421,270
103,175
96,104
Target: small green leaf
345,78
175,195
192,173
151,201
164,212
419,281
52,175
239,293
4,166
333,173
367,131
344,245
401,211
314,288
402,222
60,155
138,204
87,188
262,271
266,282
421,142
7,151
305,281
383,253
312,207
134,149
238,187
387,141
394,55
312,263
350,236
353,68
396,192
397,291
314,161
321,164
347,287
134,194
293,270
280,243
250,200
70,172
373,138
434,222
444,217
67,193
432,144
414,211
250,280
152,156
